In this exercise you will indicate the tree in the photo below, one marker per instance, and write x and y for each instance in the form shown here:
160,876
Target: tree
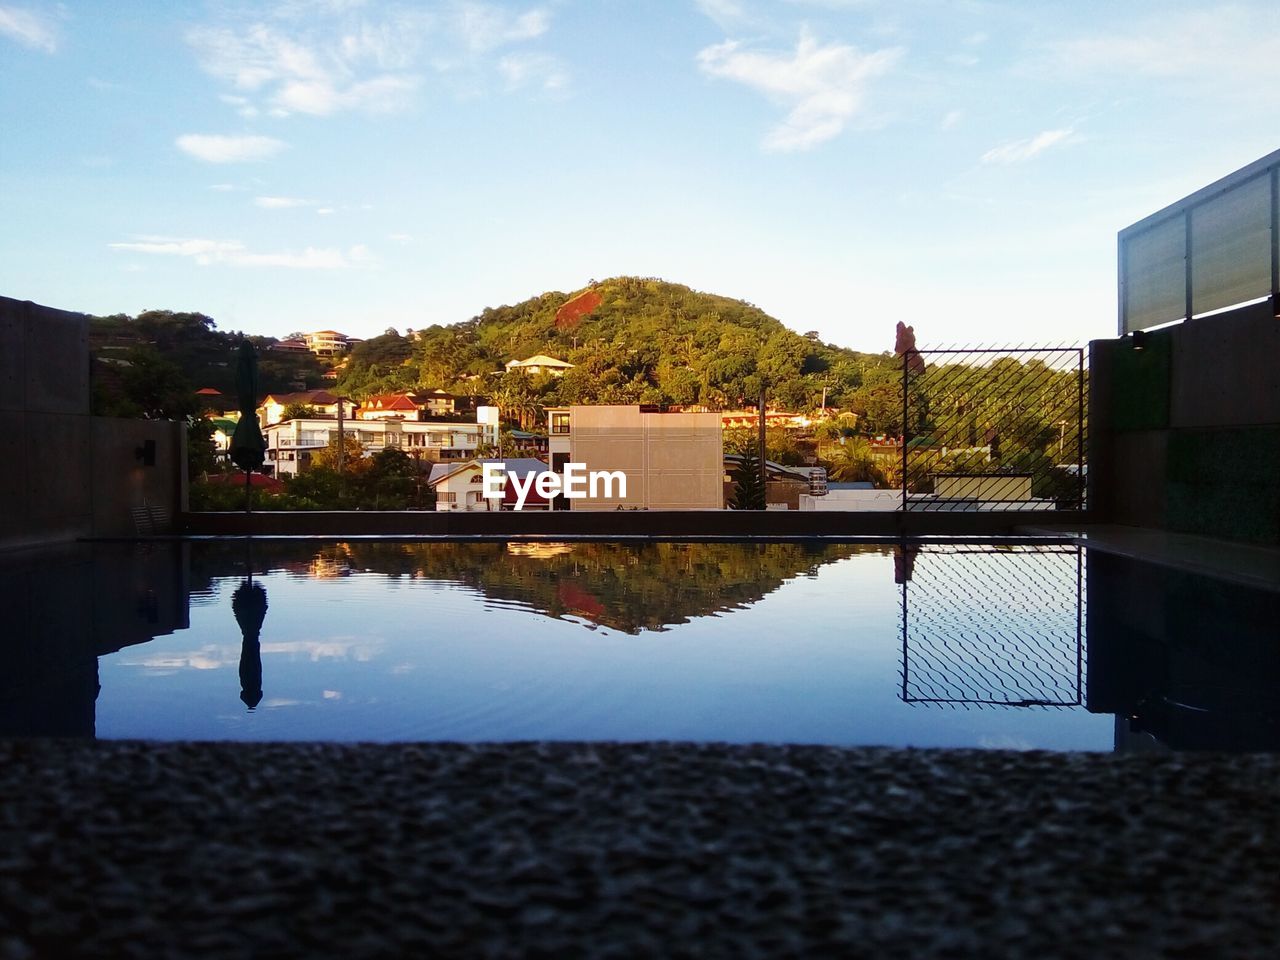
749,493
853,462
353,455
297,411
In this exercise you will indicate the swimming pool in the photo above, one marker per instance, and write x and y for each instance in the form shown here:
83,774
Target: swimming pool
1022,645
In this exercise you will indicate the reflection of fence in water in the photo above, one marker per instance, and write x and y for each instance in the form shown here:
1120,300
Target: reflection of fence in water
992,626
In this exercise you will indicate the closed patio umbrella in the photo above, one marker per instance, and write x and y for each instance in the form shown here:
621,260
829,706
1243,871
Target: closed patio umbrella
248,449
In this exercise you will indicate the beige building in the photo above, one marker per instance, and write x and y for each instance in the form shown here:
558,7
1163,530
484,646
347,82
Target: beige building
322,403
672,461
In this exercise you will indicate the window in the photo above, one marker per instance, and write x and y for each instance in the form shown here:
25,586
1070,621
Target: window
560,423
447,497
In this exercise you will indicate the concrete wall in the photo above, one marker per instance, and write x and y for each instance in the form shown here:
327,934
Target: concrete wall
1185,433
63,473
673,461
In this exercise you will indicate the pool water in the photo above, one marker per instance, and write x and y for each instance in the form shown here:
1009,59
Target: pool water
925,645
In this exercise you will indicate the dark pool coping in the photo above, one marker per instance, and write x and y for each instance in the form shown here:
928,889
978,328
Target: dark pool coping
1247,564
694,524
632,850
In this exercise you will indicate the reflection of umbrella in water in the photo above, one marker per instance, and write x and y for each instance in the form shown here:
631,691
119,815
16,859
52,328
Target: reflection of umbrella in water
248,449
250,605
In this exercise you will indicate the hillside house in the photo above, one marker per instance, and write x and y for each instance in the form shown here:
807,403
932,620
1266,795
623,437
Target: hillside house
540,363
460,486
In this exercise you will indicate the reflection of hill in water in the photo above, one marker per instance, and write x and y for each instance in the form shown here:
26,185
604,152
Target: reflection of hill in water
629,587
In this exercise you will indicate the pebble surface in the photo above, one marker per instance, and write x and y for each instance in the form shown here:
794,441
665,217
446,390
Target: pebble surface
126,849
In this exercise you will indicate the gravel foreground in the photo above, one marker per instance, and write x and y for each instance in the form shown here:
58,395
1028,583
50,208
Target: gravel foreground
632,850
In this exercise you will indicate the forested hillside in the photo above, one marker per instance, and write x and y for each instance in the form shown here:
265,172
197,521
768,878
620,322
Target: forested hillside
632,340
151,365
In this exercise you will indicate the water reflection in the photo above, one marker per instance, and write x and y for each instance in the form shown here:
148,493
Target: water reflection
1180,661
992,626
249,603
626,587
1183,661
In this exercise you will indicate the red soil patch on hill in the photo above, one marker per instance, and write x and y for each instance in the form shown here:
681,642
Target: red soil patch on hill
571,313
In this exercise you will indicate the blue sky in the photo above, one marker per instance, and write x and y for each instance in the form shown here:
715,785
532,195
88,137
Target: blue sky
843,164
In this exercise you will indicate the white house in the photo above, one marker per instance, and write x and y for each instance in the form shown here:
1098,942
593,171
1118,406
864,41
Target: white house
322,402
291,443
460,486
540,363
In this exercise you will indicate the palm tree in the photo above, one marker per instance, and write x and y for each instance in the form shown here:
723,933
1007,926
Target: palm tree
854,462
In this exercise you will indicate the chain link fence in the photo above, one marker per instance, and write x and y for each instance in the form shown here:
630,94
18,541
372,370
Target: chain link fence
994,429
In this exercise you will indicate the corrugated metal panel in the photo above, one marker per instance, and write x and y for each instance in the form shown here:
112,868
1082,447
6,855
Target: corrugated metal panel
1154,281
1231,247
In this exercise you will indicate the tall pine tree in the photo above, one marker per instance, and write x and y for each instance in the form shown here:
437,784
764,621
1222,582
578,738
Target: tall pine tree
749,493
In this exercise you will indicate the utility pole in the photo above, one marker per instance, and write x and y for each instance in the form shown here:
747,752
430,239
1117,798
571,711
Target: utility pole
342,442
764,469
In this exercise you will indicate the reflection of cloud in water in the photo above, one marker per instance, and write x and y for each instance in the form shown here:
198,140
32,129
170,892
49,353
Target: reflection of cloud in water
403,668
333,694
278,702
1005,742
336,649
207,658
214,658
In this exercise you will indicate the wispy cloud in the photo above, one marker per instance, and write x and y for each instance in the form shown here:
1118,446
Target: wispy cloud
533,70
823,84
280,203
219,148
486,26
401,238
952,119
1020,151
726,14
28,28
323,58
234,253
294,76
1227,40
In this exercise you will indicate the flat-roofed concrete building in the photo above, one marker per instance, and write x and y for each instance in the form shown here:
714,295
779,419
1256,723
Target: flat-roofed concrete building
672,461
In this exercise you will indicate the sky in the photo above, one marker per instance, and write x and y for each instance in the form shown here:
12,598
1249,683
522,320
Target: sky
842,164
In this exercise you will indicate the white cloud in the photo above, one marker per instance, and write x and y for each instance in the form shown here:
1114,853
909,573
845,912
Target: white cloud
485,26
724,13
952,119
824,85
234,253
1201,44
316,77
223,187
242,105
280,203
533,69
325,56
1019,151
217,148
401,238
28,28
325,211
1222,54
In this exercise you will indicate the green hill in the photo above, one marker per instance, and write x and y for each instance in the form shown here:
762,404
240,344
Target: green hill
632,340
